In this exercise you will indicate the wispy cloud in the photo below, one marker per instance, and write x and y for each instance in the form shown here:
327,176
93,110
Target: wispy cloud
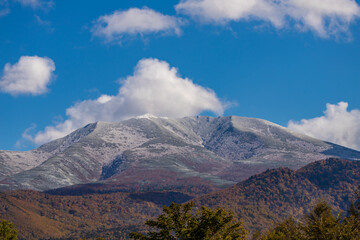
4,12
30,75
154,88
4,8
41,21
36,4
134,22
337,125
46,24
323,17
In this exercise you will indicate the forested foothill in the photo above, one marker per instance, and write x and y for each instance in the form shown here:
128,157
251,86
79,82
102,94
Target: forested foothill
276,204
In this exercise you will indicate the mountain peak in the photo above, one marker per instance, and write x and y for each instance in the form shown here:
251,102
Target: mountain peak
153,151
61,144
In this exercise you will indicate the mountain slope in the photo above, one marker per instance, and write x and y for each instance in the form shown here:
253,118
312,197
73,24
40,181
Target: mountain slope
275,194
160,151
260,201
13,162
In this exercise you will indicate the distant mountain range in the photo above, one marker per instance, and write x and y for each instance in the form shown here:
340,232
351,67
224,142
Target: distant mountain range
260,201
152,152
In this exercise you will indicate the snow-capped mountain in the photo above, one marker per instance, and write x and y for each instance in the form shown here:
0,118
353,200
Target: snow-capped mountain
155,151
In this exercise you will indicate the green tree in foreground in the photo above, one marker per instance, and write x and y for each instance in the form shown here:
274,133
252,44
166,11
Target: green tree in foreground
178,223
319,224
7,231
287,230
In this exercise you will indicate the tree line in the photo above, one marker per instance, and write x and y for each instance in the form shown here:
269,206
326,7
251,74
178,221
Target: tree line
185,222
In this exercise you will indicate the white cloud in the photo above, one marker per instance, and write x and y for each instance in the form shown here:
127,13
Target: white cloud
338,125
324,17
135,21
154,88
219,11
30,75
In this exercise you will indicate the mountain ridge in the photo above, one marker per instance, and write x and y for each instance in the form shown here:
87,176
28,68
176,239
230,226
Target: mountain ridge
218,151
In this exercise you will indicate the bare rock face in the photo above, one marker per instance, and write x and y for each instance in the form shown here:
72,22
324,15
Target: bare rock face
160,151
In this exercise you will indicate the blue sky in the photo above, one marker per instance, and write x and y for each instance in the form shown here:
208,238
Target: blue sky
276,63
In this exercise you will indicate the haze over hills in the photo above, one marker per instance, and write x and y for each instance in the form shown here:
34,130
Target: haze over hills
209,151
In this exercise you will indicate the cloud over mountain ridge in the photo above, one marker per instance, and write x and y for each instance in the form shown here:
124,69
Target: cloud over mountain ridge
154,88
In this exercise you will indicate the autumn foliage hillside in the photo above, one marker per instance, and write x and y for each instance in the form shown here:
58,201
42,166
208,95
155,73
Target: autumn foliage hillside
273,195
260,201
